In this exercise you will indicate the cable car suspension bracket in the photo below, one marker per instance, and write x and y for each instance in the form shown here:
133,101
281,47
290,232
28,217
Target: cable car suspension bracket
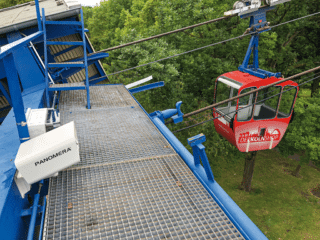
258,24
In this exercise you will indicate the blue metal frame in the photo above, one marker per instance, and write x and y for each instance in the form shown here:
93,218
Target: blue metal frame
258,20
45,57
98,66
38,15
43,210
17,102
52,88
10,48
64,43
75,23
147,87
199,153
72,64
34,213
12,225
175,114
85,60
97,80
23,56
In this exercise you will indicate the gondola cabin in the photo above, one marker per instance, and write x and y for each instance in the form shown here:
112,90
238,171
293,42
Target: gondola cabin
261,120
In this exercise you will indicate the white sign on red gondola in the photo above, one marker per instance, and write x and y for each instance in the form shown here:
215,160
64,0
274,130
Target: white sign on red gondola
244,137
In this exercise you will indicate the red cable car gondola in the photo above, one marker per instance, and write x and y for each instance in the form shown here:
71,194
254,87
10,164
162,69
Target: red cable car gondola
260,120
261,125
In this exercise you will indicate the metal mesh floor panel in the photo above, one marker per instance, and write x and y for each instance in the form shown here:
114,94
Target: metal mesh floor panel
112,96
157,198
118,134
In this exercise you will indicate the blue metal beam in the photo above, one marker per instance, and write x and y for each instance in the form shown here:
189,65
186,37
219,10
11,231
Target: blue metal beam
17,102
65,43
12,225
22,56
258,20
85,59
66,65
64,23
46,75
248,54
42,217
199,153
92,58
97,80
9,48
65,50
34,213
52,89
69,72
90,50
38,15
147,87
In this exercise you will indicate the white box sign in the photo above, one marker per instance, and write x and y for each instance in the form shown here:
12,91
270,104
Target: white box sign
49,153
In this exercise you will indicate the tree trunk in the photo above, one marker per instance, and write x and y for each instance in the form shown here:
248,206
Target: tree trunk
248,171
296,172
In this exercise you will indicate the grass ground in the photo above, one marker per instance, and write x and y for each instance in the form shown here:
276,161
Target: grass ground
280,204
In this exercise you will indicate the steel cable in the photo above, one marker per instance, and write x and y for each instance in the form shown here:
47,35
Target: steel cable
210,45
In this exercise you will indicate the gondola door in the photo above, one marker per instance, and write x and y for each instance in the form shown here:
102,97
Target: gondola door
224,114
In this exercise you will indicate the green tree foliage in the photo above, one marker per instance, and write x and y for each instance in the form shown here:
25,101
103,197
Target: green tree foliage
303,133
289,49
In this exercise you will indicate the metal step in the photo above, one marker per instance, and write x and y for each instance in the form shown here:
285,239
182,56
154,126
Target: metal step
66,64
111,96
65,43
3,102
67,86
4,113
64,23
92,58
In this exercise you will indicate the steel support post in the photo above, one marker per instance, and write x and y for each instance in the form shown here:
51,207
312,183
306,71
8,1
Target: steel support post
38,15
199,153
45,57
16,97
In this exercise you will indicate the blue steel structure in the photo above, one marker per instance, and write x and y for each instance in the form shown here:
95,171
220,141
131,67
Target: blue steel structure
18,216
78,63
258,24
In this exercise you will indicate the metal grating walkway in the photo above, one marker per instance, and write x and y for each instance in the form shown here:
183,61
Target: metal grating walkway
130,183
101,97
116,134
